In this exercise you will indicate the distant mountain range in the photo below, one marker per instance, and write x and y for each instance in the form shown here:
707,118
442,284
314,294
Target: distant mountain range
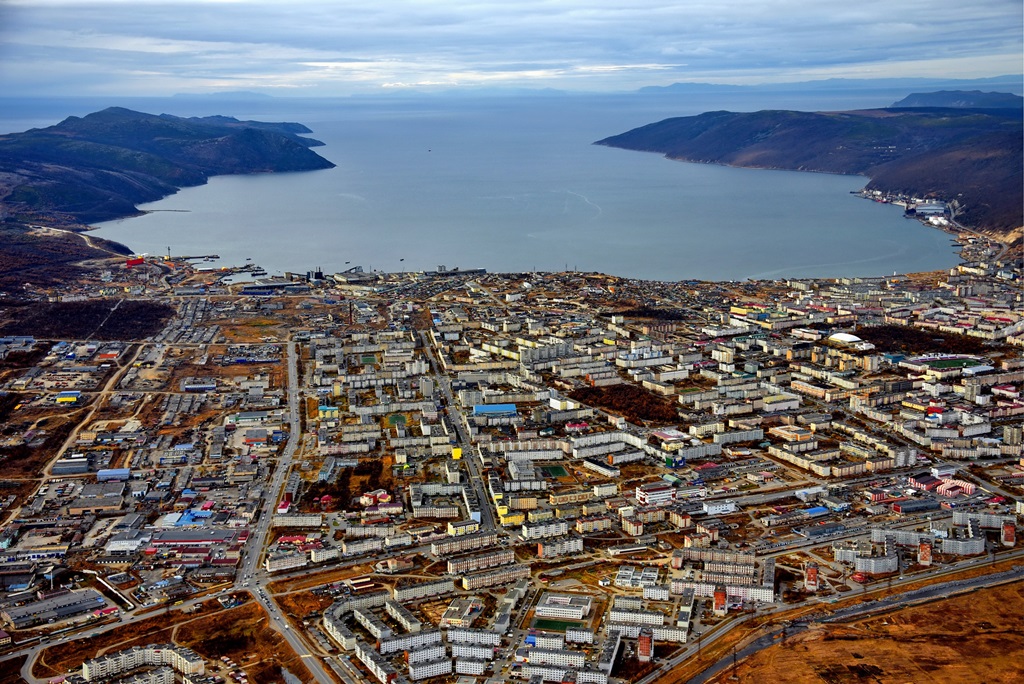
969,155
1010,82
100,166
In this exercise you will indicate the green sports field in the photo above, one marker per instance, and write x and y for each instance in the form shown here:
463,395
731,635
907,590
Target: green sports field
952,363
555,625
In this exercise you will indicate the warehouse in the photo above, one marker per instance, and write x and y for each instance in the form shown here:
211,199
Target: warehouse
53,609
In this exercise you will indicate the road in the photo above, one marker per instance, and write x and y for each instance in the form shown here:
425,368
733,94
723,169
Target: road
250,569
250,572
934,591
476,479
860,611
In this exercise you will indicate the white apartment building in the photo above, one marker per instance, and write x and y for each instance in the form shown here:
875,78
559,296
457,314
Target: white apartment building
378,666
372,624
358,547
426,654
470,666
550,528
473,651
480,561
409,642
550,656
447,547
559,546
490,578
421,590
579,635
431,668
473,636
183,660
636,617
321,555
402,616
279,562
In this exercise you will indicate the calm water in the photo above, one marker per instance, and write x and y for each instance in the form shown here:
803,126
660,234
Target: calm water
516,185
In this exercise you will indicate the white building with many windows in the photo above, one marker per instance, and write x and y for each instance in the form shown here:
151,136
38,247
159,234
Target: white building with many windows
430,668
655,494
564,606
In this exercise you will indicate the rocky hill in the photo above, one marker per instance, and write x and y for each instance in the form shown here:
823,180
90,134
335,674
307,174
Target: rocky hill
971,155
99,167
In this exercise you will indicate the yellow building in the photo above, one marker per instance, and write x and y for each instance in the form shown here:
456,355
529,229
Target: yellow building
512,518
463,527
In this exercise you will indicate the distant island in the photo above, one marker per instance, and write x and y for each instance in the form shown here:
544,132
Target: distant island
971,157
100,166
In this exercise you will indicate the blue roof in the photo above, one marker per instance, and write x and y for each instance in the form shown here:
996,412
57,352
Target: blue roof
817,510
494,409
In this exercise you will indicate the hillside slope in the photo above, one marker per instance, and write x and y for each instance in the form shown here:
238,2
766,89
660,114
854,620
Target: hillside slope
98,167
973,156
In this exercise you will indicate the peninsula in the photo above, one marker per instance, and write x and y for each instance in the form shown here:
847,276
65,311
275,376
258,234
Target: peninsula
100,166
970,157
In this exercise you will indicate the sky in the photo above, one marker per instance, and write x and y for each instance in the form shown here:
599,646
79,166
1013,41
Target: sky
335,48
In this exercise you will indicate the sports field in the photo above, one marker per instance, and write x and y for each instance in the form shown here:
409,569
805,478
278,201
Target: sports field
555,625
952,363
555,471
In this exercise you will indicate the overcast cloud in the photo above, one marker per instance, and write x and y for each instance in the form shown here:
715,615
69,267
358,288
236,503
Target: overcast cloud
149,47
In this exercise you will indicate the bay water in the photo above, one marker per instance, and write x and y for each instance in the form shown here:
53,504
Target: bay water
515,184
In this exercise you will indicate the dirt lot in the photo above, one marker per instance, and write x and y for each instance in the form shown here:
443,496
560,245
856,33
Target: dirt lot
302,603
970,638
242,635
10,671
57,660
742,634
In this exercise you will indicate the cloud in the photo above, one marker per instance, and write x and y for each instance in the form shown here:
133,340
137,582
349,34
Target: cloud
326,48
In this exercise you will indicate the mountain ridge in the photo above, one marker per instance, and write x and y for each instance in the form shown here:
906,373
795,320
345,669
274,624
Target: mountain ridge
100,166
968,155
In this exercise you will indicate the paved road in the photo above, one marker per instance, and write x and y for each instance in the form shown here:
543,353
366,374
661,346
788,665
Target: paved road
854,612
476,480
250,568
250,572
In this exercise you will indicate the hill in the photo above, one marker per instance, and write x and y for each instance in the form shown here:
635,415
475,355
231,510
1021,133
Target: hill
100,166
968,99
971,155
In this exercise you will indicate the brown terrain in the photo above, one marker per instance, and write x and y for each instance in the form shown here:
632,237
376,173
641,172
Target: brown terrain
742,635
11,671
637,405
241,634
977,638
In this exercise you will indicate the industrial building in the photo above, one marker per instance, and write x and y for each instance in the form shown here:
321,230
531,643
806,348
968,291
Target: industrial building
53,609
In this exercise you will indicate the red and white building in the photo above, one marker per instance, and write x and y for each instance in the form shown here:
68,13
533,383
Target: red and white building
655,494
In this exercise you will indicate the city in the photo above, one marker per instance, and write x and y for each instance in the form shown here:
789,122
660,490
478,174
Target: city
477,477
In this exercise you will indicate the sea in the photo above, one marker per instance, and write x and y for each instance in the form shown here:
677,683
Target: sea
515,184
